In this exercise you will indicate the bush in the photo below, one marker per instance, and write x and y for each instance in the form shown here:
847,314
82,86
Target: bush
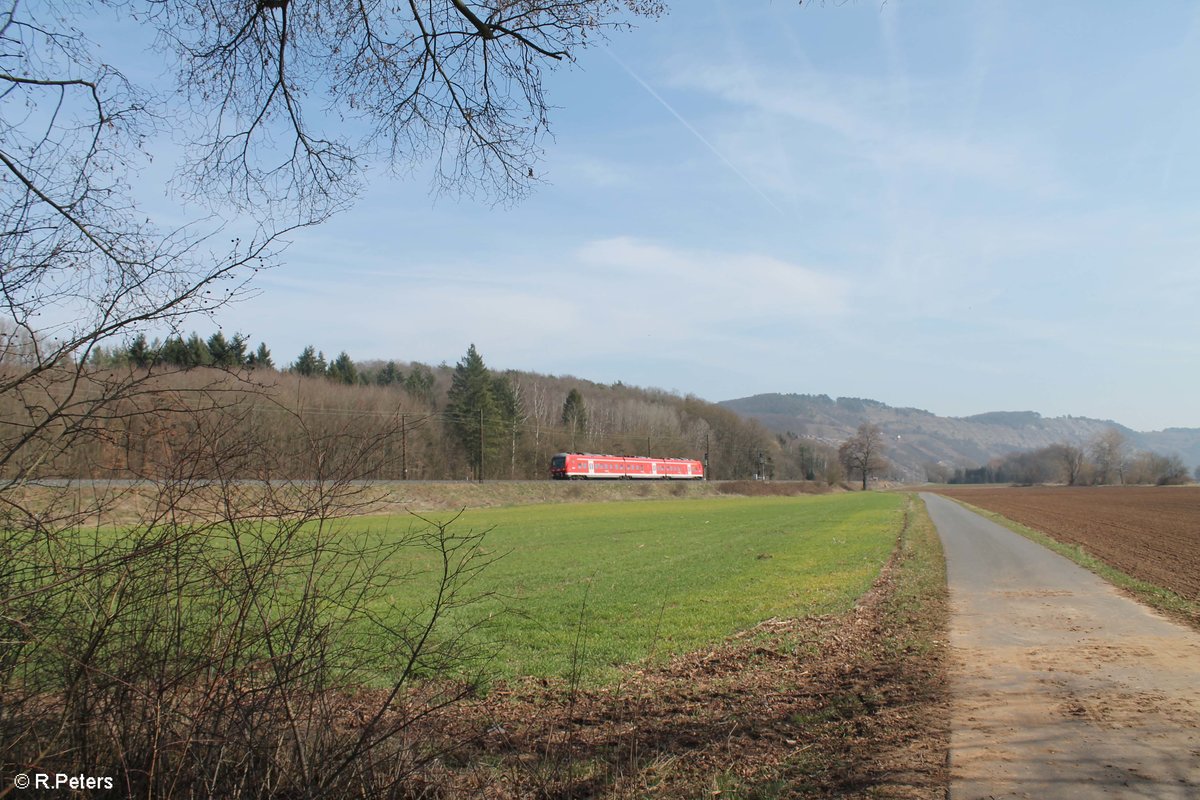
234,641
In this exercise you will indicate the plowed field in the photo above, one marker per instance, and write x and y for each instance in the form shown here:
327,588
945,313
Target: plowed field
1148,532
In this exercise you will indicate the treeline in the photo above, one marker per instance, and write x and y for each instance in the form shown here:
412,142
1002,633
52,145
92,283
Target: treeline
176,351
1107,459
465,421
234,352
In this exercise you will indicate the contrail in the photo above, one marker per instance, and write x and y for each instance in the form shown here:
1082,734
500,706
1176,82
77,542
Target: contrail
712,148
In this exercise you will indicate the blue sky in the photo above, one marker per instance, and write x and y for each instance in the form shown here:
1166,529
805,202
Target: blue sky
958,206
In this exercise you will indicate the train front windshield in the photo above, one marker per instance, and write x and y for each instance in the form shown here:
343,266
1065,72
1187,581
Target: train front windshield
558,462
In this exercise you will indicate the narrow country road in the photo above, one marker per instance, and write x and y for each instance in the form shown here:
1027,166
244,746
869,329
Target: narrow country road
1062,687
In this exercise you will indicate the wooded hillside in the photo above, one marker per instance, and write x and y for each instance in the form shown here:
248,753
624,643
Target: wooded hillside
390,421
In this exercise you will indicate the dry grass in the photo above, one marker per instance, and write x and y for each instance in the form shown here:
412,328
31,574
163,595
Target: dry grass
126,502
771,488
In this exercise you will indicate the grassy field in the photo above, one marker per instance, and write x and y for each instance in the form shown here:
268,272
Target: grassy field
615,620
845,705
580,589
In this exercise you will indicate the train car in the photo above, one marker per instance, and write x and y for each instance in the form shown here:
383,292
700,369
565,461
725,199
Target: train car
592,466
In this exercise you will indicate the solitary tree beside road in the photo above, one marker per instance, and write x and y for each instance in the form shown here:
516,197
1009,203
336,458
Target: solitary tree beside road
863,452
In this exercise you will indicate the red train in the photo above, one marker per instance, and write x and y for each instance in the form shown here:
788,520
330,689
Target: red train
572,466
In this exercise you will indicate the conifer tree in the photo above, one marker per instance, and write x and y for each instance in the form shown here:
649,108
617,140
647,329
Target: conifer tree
307,363
389,375
198,354
474,413
574,415
139,352
419,383
342,369
218,350
261,358
510,416
237,350
174,351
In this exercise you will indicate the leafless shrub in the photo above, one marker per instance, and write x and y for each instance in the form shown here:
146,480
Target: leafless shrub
238,640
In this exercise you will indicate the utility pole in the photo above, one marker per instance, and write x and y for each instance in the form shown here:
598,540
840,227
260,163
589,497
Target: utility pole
481,445
404,447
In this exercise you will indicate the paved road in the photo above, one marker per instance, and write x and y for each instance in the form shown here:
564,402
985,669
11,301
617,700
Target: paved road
1062,687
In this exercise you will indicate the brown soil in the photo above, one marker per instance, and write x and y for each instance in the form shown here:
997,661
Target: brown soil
1151,533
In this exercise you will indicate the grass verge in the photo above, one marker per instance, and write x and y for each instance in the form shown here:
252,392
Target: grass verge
882,729
1157,597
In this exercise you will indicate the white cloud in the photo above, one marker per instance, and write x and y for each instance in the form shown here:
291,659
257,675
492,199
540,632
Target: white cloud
730,287
958,209
898,125
608,298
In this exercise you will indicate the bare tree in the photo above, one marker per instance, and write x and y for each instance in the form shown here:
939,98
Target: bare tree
936,472
184,633
1072,459
1109,451
457,81
863,452
539,406
1157,469
82,264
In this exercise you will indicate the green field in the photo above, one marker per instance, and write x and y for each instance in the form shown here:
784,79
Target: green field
585,588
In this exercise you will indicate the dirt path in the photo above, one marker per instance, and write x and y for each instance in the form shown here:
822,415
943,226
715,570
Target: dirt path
1062,686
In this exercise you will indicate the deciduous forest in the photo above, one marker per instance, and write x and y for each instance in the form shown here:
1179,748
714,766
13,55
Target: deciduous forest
403,420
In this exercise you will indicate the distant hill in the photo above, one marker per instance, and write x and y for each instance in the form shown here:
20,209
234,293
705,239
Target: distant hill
916,437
